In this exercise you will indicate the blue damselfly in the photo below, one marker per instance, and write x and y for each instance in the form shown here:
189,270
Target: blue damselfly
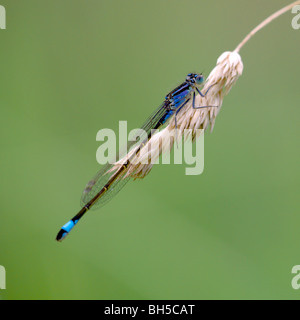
106,184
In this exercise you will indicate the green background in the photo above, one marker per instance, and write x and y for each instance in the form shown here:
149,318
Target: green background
70,68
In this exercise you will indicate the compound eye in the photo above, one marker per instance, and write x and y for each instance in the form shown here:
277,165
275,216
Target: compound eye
199,79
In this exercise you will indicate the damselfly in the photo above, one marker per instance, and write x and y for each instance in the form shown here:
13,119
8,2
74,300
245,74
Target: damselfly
106,184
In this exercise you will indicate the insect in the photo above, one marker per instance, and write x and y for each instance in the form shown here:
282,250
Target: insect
107,184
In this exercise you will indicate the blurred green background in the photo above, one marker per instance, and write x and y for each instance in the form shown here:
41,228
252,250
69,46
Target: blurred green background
70,68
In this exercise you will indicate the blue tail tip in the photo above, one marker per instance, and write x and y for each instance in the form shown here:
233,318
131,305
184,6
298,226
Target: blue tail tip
61,235
64,231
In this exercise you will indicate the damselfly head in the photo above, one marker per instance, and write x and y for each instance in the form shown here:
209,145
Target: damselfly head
196,78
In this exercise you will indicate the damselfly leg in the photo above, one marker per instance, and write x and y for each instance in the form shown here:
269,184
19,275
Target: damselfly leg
194,107
203,95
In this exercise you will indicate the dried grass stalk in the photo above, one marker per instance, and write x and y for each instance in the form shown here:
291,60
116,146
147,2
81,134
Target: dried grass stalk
229,67
221,79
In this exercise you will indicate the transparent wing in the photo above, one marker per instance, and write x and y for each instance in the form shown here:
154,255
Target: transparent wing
104,175
98,182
